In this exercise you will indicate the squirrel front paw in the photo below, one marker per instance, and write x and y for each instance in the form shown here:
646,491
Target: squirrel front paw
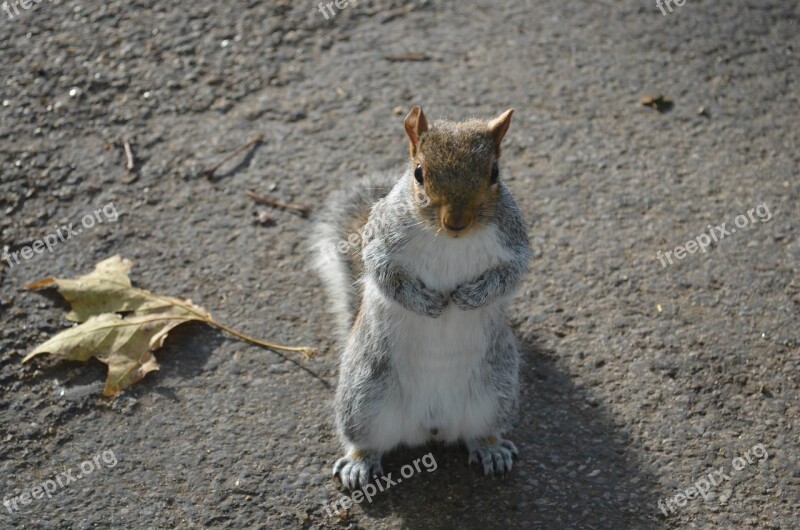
355,469
424,301
495,453
468,297
435,303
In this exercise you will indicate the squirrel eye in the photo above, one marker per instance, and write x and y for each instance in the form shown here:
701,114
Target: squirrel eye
495,173
418,174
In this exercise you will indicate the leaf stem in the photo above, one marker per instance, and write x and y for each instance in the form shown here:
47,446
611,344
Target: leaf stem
308,352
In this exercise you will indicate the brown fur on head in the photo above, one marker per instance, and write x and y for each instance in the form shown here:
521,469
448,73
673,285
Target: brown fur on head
456,162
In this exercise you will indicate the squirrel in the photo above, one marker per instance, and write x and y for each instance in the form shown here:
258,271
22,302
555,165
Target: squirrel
420,272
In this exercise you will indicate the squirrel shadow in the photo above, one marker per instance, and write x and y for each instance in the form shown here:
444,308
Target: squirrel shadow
574,470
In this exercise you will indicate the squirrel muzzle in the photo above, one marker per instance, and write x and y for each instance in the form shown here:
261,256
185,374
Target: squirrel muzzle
456,221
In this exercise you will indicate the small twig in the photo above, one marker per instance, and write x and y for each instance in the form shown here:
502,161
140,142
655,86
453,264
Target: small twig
416,57
128,154
301,209
209,173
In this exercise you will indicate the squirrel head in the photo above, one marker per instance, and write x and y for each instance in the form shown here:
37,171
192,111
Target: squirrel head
455,171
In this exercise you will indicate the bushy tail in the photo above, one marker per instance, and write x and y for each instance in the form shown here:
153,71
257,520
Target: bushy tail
337,246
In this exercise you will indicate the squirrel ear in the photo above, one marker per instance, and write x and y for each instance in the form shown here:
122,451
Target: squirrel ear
499,127
415,124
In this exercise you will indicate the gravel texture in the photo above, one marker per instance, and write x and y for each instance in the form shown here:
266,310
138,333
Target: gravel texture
639,380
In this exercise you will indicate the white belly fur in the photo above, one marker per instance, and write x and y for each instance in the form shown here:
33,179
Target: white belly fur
437,359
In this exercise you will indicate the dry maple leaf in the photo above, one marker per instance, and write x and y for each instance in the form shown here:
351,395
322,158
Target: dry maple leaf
121,325
107,289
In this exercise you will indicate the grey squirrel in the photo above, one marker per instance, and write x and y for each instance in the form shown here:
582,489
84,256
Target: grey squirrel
420,272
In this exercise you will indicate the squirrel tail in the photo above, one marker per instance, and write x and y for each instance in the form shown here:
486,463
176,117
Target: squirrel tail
337,246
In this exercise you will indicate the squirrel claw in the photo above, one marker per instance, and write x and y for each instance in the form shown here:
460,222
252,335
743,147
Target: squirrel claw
496,455
356,472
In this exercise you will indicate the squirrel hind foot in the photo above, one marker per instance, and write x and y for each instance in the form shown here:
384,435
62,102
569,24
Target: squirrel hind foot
494,453
356,469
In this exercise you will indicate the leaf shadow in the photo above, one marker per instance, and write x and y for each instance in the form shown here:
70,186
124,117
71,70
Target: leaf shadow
183,356
53,296
576,468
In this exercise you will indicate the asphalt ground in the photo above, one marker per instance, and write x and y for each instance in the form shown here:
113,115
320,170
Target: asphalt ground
641,378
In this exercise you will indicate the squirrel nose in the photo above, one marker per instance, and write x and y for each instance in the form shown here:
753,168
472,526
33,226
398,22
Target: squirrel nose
456,219
455,227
